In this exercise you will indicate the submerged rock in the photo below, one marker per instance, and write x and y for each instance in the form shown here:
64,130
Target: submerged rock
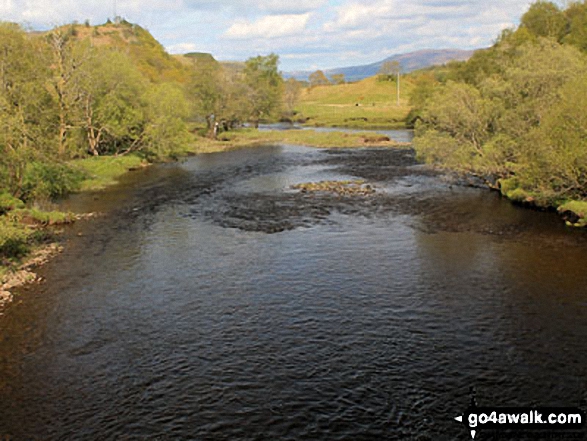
342,188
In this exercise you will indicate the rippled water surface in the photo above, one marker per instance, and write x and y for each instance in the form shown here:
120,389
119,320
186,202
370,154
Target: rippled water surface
213,302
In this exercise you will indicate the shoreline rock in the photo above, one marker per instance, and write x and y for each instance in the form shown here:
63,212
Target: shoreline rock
23,274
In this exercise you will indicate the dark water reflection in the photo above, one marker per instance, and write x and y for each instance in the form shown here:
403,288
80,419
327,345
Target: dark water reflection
213,303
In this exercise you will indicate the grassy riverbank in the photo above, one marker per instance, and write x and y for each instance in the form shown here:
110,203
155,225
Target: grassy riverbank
308,138
28,233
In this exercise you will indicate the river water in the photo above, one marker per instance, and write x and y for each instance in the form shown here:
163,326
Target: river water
213,302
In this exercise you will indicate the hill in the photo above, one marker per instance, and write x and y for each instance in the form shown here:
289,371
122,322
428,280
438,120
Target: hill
409,62
147,53
368,103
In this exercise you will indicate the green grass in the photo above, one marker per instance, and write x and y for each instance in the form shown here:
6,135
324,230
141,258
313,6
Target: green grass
309,138
102,171
336,105
34,216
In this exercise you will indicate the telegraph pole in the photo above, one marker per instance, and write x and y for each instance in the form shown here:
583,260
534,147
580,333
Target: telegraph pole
398,86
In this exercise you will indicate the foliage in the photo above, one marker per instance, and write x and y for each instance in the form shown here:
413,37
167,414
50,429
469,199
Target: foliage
14,238
9,202
47,180
206,89
338,78
166,134
544,19
515,112
291,95
389,71
25,120
265,86
318,79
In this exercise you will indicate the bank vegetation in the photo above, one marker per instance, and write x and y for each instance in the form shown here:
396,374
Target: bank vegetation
516,113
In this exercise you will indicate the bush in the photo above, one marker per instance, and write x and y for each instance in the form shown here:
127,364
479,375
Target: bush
14,238
9,202
49,180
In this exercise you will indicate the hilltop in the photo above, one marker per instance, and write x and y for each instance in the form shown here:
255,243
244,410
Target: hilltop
144,50
409,62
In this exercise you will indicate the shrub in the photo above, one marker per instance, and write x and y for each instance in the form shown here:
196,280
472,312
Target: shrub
9,202
49,180
14,238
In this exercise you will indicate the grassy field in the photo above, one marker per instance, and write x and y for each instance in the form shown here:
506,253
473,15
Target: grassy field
366,104
309,138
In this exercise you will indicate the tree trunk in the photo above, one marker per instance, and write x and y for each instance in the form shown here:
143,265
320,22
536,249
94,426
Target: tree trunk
93,139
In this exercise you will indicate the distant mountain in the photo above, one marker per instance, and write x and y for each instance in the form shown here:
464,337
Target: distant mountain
409,62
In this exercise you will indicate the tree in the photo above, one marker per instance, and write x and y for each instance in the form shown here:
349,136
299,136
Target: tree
165,133
207,89
291,95
68,55
390,70
112,103
545,19
576,15
510,125
318,79
25,106
265,86
338,78
234,107
459,122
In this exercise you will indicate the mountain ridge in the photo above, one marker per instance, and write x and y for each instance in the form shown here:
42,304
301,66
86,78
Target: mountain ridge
409,62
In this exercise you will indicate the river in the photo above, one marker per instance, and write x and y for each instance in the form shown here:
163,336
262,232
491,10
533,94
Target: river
211,301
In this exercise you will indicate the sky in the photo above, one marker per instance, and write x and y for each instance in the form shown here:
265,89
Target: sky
306,34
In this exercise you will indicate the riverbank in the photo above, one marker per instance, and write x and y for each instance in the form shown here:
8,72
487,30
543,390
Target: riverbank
573,212
29,237
307,138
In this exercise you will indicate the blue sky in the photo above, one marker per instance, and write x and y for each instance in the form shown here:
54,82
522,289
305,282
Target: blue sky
307,34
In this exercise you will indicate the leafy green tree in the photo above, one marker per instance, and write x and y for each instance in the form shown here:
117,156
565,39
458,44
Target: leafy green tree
166,133
529,83
265,86
460,122
68,57
206,87
506,125
234,107
576,15
338,78
112,103
25,106
556,151
318,79
545,19
291,95
389,70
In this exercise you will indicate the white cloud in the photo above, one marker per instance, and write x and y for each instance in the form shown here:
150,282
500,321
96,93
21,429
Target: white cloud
270,26
290,7
183,48
327,32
